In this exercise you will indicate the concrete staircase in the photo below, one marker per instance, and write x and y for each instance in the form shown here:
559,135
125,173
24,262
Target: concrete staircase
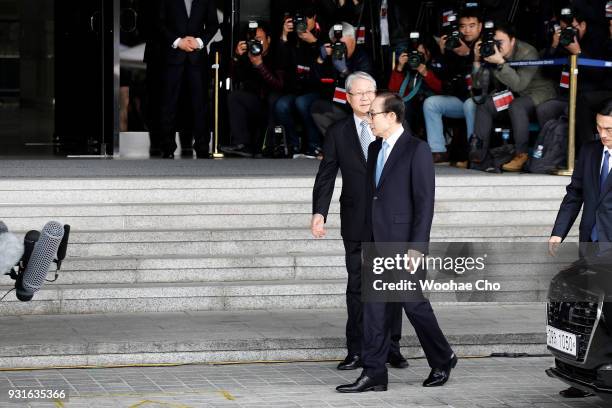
153,245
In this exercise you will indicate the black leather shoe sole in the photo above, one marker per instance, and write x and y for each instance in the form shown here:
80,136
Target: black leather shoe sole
575,393
376,388
350,366
399,364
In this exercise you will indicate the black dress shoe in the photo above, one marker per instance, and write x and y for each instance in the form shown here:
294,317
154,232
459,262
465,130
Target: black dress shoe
396,360
439,376
363,384
572,392
237,150
168,156
351,362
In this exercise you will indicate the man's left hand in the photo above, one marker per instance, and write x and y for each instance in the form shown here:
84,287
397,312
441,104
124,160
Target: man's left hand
496,58
256,60
574,48
308,37
340,65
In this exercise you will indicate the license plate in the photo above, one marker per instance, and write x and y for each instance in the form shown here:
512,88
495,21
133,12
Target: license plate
561,340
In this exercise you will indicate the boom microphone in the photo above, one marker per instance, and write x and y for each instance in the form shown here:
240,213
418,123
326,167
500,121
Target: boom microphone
11,249
45,250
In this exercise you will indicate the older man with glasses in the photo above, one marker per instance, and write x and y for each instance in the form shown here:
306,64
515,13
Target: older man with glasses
346,146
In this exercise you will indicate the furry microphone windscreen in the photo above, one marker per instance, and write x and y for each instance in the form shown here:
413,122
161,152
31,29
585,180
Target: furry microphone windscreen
11,250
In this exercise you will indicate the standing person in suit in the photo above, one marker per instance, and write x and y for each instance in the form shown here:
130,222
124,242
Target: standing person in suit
345,149
400,207
185,27
591,190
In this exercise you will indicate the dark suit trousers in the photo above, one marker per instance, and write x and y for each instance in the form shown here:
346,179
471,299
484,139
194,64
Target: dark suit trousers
377,342
354,305
177,76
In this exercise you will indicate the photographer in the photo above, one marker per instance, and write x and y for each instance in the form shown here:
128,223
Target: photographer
574,36
416,77
517,90
258,70
334,64
301,37
457,50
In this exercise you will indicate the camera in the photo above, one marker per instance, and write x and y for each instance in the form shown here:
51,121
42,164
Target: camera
415,58
488,44
568,34
300,24
453,39
338,47
254,46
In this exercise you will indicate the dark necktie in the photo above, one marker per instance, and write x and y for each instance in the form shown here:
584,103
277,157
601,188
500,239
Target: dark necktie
605,170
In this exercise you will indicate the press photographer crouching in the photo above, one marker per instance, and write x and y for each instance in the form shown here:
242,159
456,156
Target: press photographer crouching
301,38
416,77
457,48
517,90
337,60
573,36
259,75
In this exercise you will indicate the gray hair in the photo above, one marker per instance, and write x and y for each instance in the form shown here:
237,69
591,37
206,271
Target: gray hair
358,75
347,30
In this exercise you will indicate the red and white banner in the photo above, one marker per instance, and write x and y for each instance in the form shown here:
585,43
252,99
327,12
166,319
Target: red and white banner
361,34
468,82
502,100
340,96
565,80
302,69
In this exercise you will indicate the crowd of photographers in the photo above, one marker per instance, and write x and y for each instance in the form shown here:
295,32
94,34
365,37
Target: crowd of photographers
459,82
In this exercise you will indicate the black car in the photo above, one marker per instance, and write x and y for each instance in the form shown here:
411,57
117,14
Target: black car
579,326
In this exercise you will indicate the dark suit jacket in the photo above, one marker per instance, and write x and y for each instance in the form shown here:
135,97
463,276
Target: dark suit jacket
173,23
342,150
401,208
584,191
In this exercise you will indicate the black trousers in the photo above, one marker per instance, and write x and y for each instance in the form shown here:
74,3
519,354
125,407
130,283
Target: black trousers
250,117
520,110
376,336
354,305
191,77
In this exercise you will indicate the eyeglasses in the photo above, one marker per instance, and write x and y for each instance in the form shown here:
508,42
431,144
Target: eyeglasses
372,115
362,94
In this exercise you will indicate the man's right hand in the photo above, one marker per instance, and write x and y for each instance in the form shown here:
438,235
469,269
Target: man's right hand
553,245
241,48
402,61
317,226
463,50
186,45
555,38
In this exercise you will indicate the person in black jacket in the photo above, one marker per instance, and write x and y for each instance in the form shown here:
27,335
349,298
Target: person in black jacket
345,149
259,79
302,44
330,74
184,27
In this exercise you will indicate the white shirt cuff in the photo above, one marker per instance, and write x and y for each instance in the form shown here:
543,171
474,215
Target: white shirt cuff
176,43
199,40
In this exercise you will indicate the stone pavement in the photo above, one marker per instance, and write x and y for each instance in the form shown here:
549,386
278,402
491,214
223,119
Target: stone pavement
475,383
205,336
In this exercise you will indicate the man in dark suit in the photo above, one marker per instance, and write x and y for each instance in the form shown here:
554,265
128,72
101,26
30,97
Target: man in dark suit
591,190
345,149
185,27
400,206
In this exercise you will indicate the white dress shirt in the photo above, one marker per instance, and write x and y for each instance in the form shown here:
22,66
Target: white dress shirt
358,122
391,140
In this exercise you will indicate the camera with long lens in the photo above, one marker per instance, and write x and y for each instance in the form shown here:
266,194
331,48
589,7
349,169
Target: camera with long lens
453,39
488,44
300,24
568,34
338,47
415,58
254,46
